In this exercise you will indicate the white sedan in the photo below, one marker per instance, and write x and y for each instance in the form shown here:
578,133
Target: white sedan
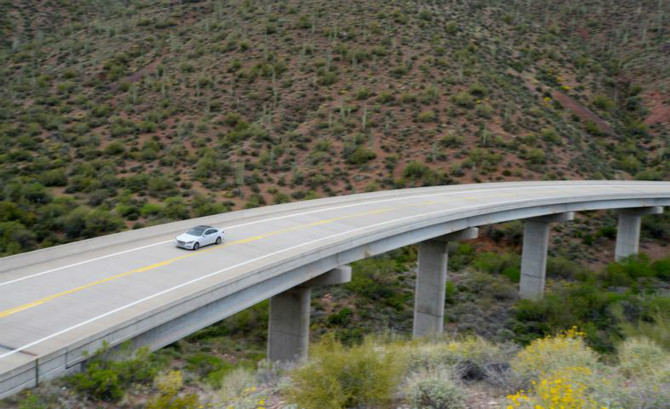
199,236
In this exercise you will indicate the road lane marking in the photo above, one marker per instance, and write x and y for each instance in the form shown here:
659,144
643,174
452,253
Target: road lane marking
14,310
43,300
236,266
195,280
230,228
311,212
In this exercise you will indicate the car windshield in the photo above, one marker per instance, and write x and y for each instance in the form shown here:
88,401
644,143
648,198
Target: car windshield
196,231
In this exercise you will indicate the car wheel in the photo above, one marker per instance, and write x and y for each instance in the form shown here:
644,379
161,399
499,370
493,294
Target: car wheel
218,240
196,246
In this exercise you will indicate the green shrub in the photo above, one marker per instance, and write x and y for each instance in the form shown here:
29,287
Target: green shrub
418,171
203,363
74,222
99,383
603,102
114,148
255,200
176,208
53,177
511,233
158,186
341,318
630,271
426,116
151,209
592,128
430,95
107,380
327,78
337,377
452,140
507,264
408,98
415,170
451,27
629,163
535,156
662,268
399,70
234,384
280,197
362,93
484,111
643,358
477,89
99,221
15,237
565,388
169,386
361,156
435,389
31,401
304,22
466,358
373,278
645,368
463,99
657,227
562,267
553,353
386,97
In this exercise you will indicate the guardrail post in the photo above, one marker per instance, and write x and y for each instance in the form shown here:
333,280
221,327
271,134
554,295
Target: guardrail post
628,230
431,280
534,255
288,326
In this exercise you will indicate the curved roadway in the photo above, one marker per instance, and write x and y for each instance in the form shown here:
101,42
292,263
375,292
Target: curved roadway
55,301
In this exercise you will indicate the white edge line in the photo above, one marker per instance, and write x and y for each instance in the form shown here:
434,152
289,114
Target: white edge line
285,217
219,272
230,268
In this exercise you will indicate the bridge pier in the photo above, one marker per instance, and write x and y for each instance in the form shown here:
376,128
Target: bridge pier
288,326
628,230
534,254
431,280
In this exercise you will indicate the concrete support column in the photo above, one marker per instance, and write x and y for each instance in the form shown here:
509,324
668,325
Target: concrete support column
431,283
534,255
628,230
288,326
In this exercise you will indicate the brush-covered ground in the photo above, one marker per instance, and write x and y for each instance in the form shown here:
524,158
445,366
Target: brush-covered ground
600,338
117,115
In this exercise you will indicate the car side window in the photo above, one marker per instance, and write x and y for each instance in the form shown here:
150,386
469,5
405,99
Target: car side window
210,231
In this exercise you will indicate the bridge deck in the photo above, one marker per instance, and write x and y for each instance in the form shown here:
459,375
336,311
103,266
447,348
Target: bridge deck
52,302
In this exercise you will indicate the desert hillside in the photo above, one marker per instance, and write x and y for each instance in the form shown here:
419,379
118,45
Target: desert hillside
123,114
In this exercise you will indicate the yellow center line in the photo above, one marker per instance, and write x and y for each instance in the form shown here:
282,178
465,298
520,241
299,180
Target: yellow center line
41,301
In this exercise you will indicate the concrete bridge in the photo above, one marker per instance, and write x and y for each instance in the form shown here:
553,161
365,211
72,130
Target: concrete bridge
136,286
